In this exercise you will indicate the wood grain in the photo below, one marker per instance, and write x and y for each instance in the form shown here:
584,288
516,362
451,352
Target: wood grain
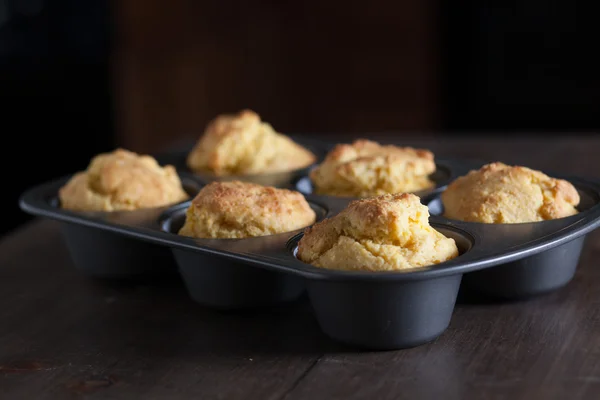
148,339
65,336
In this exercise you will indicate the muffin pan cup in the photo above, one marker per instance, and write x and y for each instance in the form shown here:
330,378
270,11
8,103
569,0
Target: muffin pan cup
233,284
376,310
102,254
105,253
384,315
227,285
530,276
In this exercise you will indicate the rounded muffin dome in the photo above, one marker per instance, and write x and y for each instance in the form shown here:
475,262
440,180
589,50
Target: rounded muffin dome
366,168
501,194
386,233
237,209
242,144
122,180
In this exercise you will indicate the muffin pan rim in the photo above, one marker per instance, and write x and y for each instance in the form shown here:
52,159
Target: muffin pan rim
36,201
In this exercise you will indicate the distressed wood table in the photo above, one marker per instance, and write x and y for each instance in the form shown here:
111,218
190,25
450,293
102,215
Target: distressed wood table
63,335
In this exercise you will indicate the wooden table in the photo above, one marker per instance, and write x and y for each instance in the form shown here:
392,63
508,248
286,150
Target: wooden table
65,336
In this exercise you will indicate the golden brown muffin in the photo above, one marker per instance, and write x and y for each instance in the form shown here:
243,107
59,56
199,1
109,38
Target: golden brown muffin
366,168
386,233
242,144
235,209
122,180
502,194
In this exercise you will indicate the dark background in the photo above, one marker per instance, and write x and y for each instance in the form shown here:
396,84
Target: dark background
81,77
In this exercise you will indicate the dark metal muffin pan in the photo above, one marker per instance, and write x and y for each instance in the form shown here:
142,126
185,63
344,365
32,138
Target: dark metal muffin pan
374,310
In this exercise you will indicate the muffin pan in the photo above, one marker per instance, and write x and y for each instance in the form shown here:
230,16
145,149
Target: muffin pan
374,310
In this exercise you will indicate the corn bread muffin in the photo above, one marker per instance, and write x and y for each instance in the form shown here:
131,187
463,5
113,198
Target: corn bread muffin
501,194
386,233
122,180
366,168
242,144
230,210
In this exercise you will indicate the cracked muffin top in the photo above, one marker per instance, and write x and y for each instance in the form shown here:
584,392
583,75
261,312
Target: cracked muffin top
501,194
390,232
242,144
366,168
122,180
230,210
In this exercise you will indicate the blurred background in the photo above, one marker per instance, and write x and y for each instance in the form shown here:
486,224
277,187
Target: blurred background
79,77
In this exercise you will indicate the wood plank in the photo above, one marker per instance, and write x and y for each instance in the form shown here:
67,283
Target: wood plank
63,334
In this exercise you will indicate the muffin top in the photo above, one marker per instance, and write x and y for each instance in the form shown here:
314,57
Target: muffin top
386,233
366,168
242,144
235,209
501,194
122,180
